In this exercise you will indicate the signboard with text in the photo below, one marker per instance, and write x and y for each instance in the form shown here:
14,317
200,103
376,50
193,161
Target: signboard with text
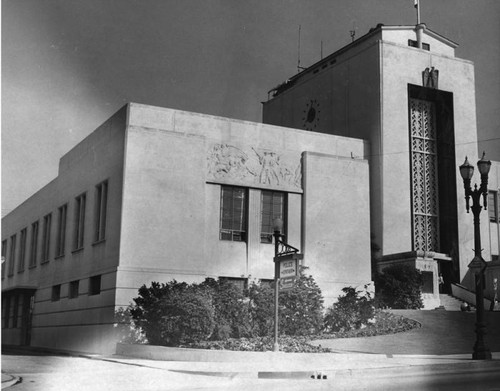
288,270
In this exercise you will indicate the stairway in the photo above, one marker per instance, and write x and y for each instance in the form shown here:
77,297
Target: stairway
450,303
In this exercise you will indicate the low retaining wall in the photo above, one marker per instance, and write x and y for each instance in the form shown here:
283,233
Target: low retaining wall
163,353
464,294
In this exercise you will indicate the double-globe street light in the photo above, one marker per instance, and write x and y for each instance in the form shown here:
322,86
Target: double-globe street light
481,352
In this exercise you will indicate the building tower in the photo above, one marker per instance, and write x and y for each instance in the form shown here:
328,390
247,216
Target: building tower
403,89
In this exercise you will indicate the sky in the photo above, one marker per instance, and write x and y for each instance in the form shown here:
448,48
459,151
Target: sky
68,65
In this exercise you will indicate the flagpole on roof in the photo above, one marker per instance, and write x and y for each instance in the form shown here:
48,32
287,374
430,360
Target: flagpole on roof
417,6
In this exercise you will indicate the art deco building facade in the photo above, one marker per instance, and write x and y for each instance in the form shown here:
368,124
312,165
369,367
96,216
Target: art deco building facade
360,148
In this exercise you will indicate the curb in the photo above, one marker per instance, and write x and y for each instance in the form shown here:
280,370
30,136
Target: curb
9,380
349,374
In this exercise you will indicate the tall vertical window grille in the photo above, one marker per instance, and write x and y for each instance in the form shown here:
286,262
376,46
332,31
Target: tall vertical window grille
272,207
494,206
61,230
47,223
233,215
34,244
424,179
12,255
22,250
79,221
100,211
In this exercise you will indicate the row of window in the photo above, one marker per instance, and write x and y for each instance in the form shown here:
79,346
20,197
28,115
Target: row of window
16,306
94,288
234,213
101,200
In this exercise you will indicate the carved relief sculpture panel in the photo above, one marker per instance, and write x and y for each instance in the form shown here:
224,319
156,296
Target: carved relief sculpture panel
251,167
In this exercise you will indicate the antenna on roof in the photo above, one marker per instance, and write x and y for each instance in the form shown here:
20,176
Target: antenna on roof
299,68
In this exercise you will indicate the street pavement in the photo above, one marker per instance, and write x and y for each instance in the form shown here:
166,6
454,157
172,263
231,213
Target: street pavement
441,349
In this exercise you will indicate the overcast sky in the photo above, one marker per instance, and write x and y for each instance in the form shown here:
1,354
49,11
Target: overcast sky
68,65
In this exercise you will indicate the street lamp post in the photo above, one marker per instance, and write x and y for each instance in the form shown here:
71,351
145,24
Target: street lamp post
277,226
481,352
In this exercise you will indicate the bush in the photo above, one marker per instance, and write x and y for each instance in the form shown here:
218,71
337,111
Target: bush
231,317
261,309
351,312
177,313
301,308
399,287
173,313
126,329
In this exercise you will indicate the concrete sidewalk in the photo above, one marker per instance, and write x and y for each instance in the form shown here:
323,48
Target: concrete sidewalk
443,344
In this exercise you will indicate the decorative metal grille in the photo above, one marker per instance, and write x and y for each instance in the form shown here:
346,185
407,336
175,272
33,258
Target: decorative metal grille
424,177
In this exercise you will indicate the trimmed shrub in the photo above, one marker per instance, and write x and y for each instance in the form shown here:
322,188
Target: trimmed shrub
301,308
172,313
351,312
188,316
399,287
261,309
231,317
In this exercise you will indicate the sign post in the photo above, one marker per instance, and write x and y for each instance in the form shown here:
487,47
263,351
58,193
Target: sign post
286,269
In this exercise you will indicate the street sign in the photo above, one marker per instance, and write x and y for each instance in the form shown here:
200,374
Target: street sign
287,283
289,268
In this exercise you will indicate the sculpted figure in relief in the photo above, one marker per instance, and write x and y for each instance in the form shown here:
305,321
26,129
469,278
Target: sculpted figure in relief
225,161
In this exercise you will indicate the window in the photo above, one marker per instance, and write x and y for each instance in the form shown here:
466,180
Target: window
61,230
100,210
79,221
94,285
493,206
272,207
47,222
4,253
74,287
34,244
22,249
15,313
233,214
56,292
12,255
414,44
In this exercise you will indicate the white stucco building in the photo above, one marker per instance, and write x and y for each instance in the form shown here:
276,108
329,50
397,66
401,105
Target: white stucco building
362,147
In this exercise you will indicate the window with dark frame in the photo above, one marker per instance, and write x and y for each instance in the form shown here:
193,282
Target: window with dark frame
61,230
100,211
74,287
80,202
34,244
12,255
56,292
22,250
273,206
414,44
47,222
94,285
233,215
493,206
